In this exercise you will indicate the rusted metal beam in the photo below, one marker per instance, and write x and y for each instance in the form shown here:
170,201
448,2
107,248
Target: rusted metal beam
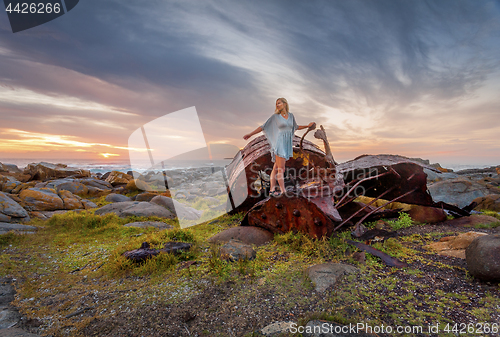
387,203
386,258
360,182
356,213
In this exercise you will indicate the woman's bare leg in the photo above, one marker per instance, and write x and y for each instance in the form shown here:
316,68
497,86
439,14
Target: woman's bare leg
280,163
273,176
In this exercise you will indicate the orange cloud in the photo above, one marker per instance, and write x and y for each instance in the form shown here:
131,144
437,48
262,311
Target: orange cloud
20,141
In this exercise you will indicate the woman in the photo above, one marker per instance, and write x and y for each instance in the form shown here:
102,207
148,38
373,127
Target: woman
279,130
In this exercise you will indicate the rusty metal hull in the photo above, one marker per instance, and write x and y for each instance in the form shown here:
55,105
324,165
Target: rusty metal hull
242,172
322,203
315,217
408,175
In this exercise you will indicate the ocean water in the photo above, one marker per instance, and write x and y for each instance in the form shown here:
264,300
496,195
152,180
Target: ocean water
101,166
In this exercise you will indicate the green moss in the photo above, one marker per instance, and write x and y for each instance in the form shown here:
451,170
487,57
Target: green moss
11,238
488,225
491,213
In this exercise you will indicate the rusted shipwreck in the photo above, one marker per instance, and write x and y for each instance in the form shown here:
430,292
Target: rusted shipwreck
321,194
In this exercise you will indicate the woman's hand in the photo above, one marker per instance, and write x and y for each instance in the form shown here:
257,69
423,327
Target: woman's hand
245,137
311,126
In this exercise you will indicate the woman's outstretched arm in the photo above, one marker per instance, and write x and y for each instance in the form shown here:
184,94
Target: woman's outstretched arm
301,127
254,132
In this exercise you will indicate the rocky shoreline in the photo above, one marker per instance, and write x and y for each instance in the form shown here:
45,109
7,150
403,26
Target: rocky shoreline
44,189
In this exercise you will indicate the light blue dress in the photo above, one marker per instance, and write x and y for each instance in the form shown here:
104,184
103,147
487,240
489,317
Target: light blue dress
279,133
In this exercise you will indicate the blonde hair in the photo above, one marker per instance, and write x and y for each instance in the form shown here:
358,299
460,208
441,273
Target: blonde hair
284,102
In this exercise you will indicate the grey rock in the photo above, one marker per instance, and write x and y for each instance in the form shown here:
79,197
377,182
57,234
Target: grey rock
144,208
320,328
44,215
137,208
490,202
11,168
327,274
146,252
66,184
211,201
9,315
12,209
115,207
433,176
43,170
87,204
191,197
92,182
236,250
146,224
213,192
10,183
180,210
164,201
247,234
195,191
94,190
276,328
211,185
114,197
15,226
74,187
483,257
4,218
181,194
145,196
41,199
459,191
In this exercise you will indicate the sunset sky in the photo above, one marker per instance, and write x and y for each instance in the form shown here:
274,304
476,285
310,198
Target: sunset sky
414,78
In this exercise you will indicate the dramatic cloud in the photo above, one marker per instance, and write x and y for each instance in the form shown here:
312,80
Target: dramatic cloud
416,78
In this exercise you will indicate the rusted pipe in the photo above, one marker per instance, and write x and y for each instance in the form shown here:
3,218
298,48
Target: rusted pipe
359,182
371,202
387,203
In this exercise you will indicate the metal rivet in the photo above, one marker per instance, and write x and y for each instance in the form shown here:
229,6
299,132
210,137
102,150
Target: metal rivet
279,205
296,212
263,216
317,221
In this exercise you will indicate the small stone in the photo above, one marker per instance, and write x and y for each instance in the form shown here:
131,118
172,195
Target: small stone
236,250
327,274
276,328
146,196
246,234
359,257
114,197
146,224
454,246
425,214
